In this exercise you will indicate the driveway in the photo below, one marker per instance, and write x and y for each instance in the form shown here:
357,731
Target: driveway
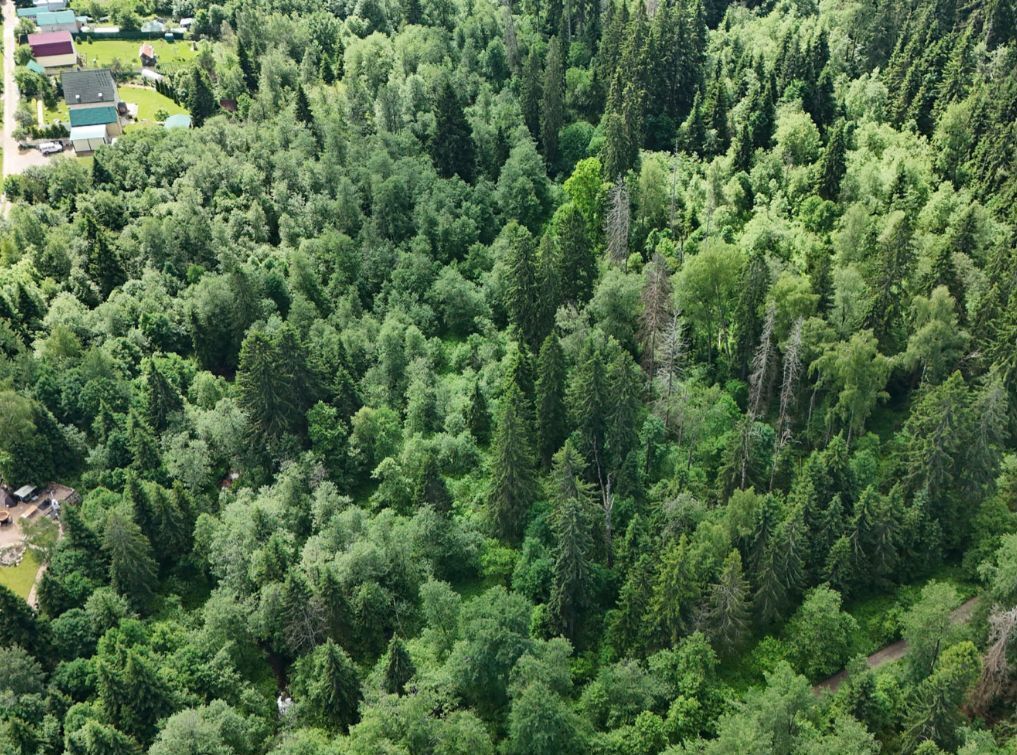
15,160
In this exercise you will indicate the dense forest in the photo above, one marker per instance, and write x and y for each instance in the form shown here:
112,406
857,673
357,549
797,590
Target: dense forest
535,378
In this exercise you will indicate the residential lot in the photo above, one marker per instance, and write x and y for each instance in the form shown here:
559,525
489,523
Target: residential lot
104,53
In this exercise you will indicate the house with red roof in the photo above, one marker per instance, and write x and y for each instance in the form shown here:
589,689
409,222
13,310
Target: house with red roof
53,50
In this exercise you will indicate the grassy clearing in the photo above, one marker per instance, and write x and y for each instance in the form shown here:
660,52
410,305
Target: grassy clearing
104,53
149,103
20,578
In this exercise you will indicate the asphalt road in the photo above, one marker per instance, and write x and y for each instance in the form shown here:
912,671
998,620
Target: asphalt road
15,160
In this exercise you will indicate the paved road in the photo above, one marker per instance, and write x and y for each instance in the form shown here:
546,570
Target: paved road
15,161
896,651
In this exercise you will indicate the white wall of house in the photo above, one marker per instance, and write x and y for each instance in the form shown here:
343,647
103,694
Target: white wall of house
72,28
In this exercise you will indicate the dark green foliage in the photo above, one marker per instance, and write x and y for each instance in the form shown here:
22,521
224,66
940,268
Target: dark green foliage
200,100
452,146
513,481
326,682
399,667
538,299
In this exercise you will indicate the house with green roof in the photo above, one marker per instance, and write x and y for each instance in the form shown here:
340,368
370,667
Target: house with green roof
62,20
95,107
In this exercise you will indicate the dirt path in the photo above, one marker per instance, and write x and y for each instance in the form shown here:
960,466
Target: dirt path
897,650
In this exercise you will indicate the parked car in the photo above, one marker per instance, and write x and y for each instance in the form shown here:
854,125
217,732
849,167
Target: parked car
50,148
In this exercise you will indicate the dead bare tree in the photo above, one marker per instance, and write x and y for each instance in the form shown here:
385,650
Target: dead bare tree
788,386
616,223
758,382
656,310
671,348
996,667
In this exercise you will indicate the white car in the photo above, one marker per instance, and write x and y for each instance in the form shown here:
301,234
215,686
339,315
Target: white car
50,148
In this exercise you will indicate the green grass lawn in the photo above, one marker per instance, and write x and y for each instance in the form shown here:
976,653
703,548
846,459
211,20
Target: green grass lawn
148,100
20,578
149,103
102,54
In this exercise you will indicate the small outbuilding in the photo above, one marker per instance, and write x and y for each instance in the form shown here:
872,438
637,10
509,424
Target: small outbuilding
147,55
87,139
24,493
180,120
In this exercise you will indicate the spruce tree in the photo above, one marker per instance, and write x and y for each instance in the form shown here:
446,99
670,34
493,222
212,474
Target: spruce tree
452,148
303,107
833,164
478,417
570,573
200,100
247,67
725,616
132,567
430,488
552,106
399,668
513,479
161,397
575,262
530,95
524,289
326,684
550,399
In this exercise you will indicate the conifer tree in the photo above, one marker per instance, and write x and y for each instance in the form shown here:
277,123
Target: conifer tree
132,567
513,480
325,681
201,102
161,396
303,107
570,573
524,288
832,165
725,616
478,417
143,446
530,94
430,488
552,107
575,259
550,399
399,668
452,147
247,67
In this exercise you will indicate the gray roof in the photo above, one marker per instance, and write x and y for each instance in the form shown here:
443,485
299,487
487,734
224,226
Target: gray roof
88,87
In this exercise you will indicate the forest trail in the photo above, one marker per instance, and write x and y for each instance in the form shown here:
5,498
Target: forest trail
896,650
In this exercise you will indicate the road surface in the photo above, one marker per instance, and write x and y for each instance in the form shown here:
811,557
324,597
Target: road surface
15,161
896,651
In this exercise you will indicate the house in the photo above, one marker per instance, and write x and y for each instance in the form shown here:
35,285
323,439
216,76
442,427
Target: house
53,50
177,121
153,27
147,54
95,107
62,20
42,6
